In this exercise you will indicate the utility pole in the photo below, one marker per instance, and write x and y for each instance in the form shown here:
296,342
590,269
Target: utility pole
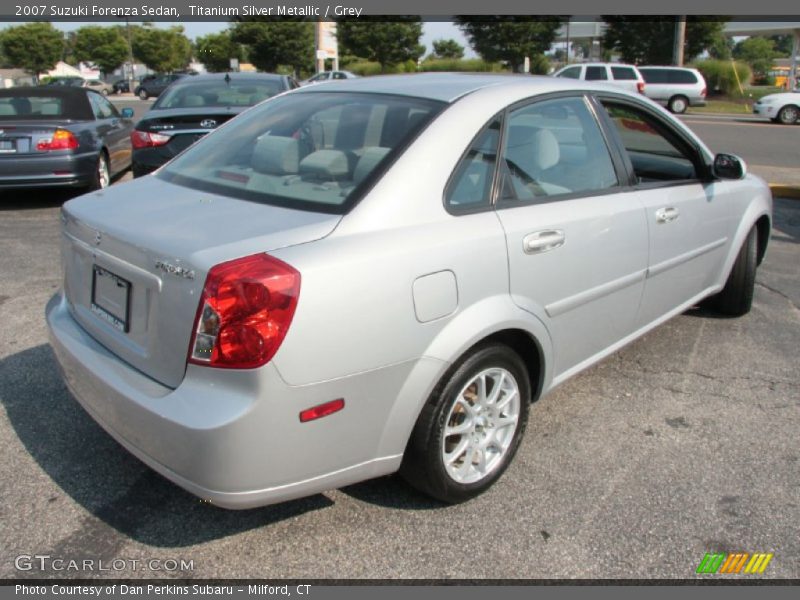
680,39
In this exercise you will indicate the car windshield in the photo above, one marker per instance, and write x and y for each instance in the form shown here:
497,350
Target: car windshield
199,94
311,151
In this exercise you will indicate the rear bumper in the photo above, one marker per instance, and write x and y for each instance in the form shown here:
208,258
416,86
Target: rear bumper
232,438
66,170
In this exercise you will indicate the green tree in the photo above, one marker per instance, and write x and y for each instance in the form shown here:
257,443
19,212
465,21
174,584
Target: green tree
216,50
448,49
162,50
103,46
501,39
721,47
271,44
783,44
386,42
35,47
650,40
758,52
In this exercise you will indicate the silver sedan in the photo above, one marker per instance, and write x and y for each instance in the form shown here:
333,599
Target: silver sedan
383,274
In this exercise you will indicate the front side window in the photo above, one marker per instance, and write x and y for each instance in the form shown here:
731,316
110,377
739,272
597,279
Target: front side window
101,107
312,151
655,153
596,73
571,73
553,148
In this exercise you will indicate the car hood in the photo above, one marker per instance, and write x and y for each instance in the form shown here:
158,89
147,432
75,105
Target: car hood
781,97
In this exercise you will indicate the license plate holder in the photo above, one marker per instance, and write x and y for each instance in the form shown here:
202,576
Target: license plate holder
111,296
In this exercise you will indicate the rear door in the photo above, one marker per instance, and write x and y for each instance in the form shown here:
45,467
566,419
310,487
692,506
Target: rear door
577,246
689,217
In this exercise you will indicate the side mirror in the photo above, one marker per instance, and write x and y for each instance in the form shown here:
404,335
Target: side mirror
127,113
729,166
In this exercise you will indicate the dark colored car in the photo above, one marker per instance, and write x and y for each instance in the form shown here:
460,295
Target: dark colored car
68,81
153,86
61,136
192,107
121,86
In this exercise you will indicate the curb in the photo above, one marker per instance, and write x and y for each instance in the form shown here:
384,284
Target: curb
780,190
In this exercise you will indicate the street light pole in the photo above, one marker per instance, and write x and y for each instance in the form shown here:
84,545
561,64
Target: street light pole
680,39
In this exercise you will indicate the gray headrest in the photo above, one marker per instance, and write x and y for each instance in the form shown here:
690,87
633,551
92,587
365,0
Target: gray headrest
325,164
276,155
531,146
368,161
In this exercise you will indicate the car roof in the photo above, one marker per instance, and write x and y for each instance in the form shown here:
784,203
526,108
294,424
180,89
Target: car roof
76,99
445,87
235,76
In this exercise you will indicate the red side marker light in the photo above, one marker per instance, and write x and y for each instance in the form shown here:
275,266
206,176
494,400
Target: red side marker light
322,410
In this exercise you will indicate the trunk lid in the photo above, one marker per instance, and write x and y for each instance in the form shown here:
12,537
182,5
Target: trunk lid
185,126
20,138
135,259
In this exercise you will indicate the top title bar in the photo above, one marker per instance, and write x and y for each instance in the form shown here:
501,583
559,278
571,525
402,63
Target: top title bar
216,10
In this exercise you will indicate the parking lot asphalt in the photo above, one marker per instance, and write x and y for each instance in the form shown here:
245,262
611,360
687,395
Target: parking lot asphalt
683,443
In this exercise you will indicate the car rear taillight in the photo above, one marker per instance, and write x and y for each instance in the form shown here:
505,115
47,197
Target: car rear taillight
703,92
244,313
61,140
145,139
640,86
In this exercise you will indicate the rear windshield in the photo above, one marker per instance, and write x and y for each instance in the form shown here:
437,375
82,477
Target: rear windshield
199,94
31,107
311,151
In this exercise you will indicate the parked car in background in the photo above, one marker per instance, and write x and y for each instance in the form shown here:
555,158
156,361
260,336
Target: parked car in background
626,77
677,88
61,136
153,86
68,81
783,107
98,86
304,299
121,86
194,106
328,76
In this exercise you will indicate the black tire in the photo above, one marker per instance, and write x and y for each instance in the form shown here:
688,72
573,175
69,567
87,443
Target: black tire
788,115
424,461
736,298
678,104
105,92
143,94
100,181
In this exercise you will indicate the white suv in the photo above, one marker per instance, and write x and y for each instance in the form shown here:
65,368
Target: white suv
620,75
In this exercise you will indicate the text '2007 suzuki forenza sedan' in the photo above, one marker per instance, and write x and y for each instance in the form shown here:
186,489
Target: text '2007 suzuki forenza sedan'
381,274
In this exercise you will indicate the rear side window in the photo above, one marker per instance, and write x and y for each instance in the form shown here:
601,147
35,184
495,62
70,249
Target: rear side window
596,73
685,77
654,75
471,185
553,148
654,152
571,73
312,151
626,73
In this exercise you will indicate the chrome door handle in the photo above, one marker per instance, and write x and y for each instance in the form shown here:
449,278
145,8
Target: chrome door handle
667,215
543,241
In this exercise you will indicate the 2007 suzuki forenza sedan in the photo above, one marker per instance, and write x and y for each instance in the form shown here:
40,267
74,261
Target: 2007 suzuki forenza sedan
381,274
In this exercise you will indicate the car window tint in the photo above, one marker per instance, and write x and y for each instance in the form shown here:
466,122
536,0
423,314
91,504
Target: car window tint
313,151
624,73
31,107
654,75
684,77
471,184
571,73
552,148
596,73
654,154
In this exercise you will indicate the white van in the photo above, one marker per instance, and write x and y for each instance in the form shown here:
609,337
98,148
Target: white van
620,75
